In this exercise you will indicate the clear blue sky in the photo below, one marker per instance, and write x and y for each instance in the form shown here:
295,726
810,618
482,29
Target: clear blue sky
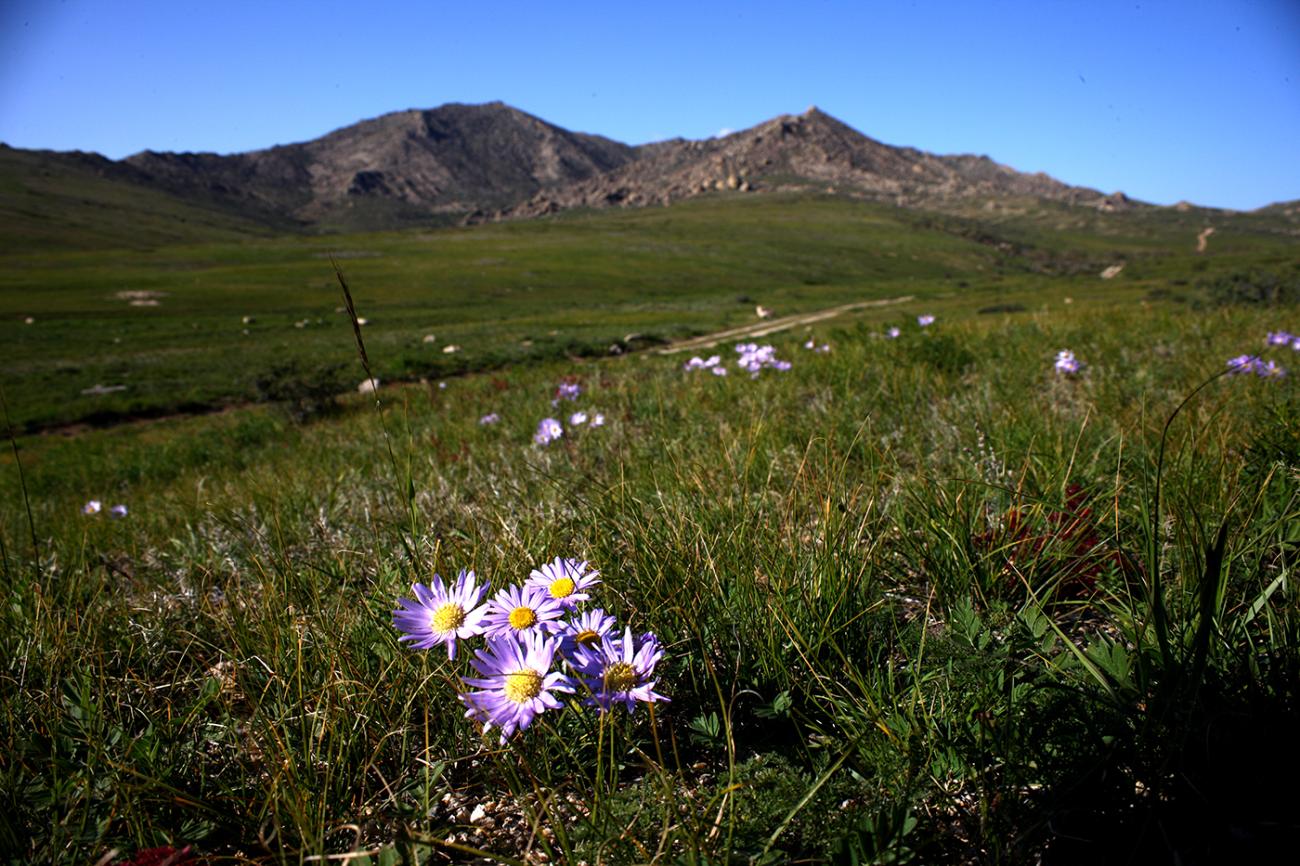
1197,100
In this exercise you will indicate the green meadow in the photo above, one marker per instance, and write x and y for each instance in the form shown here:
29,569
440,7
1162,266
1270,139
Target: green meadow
127,332
921,599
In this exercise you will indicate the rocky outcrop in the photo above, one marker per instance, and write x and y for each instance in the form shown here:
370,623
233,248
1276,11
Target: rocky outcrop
808,151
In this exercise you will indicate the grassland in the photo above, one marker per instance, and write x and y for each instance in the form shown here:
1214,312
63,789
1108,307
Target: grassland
922,599
165,328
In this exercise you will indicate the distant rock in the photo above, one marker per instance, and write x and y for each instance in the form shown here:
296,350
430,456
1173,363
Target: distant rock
1116,202
1112,272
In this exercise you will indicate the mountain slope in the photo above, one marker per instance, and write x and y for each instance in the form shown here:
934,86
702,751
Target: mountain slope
404,166
793,151
480,163
76,200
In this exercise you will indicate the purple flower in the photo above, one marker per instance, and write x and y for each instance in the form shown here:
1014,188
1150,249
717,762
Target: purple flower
1243,364
620,671
894,333
925,321
718,370
564,580
1280,338
92,507
439,614
586,629
548,430
117,511
1066,362
698,363
489,418
754,358
577,419
1269,370
516,683
568,391
597,420
520,610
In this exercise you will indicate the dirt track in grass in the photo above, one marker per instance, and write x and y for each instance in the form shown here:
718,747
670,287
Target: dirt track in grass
763,327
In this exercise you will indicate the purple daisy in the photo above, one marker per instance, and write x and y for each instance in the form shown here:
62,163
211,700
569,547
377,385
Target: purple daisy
620,672
548,430
564,580
1243,364
1280,338
1269,370
92,507
925,321
117,511
586,629
439,614
894,333
568,391
518,610
1066,362
517,683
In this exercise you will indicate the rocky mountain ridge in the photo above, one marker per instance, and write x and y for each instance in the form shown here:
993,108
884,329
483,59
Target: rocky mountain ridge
810,150
486,162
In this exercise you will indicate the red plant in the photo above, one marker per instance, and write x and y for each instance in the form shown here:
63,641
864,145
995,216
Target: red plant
165,855
1062,546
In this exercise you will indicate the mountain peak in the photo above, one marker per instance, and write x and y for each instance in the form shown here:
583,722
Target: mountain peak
491,159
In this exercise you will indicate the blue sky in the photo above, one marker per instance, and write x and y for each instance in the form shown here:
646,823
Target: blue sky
1196,100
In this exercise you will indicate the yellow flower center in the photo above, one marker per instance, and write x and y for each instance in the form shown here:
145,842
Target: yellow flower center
447,616
619,677
563,587
587,637
523,686
523,617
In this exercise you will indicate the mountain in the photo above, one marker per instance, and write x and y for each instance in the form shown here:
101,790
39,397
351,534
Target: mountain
810,150
402,167
53,200
486,162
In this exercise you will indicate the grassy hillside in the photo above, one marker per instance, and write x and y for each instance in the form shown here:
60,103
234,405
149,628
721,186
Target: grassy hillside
52,202
163,330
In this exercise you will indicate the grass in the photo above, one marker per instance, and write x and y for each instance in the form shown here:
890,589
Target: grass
919,599
520,293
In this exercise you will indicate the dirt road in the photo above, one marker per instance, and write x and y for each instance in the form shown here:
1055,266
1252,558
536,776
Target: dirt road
772,326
